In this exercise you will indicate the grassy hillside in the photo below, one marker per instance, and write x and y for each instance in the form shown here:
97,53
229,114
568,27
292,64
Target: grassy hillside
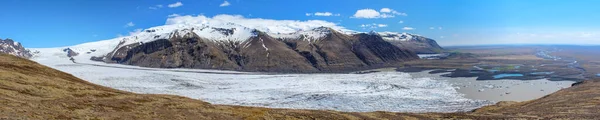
32,91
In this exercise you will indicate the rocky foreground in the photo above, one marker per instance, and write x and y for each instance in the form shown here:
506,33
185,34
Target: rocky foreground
32,91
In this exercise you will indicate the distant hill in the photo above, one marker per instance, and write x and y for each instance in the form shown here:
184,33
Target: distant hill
418,44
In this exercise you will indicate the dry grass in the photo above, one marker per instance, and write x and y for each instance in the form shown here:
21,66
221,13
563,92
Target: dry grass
31,91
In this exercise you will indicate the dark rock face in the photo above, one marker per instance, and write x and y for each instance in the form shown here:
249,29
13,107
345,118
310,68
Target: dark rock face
418,44
70,53
9,46
333,53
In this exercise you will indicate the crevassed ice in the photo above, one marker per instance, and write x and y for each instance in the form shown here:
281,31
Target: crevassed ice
383,91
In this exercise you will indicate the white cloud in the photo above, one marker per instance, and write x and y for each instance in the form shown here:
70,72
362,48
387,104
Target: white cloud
408,28
265,25
130,24
373,25
174,5
385,10
400,21
326,14
323,14
372,13
224,4
366,13
392,11
155,7
174,15
434,28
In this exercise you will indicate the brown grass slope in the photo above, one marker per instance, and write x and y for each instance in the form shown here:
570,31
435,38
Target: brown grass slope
32,91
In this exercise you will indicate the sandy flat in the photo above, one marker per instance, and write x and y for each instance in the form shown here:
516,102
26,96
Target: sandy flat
501,90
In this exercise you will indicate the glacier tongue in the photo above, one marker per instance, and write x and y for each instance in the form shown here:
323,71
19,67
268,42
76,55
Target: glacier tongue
382,91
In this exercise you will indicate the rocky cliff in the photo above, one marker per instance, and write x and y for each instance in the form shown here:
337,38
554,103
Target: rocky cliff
416,43
11,47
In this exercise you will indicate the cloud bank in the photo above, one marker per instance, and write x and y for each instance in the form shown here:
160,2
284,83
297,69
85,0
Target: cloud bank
372,13
326,14
174,5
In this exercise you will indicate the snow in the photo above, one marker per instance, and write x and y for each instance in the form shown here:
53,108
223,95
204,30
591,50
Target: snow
264,46
309,35
10,48
394,36
382,91
220,28
265,25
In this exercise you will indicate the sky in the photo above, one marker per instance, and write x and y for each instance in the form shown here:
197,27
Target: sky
56,23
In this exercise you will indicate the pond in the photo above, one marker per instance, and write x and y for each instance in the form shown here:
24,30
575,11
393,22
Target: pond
506,75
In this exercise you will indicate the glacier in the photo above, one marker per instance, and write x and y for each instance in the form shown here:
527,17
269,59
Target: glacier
380,91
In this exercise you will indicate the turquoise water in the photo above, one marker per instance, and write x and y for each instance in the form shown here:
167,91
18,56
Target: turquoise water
506,75
542,73
493,70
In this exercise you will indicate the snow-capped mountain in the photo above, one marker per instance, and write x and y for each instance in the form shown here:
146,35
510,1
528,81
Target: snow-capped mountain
394,36
416,43
207,47
9,46
225,42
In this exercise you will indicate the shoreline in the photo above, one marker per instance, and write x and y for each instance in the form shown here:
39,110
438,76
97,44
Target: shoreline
500,90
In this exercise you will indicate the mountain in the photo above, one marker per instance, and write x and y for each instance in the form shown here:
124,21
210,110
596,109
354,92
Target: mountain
29,90
416,43
9,46
231,46
246,45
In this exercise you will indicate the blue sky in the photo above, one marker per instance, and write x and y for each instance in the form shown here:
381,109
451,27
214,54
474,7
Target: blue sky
45,23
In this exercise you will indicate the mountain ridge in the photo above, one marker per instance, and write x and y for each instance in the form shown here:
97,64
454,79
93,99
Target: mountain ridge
329,51
416,43
12,47
230,46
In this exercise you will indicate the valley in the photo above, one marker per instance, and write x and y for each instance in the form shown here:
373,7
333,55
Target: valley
370,90
299,60
504,62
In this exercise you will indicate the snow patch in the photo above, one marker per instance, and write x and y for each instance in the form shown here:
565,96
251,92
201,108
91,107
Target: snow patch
394,36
